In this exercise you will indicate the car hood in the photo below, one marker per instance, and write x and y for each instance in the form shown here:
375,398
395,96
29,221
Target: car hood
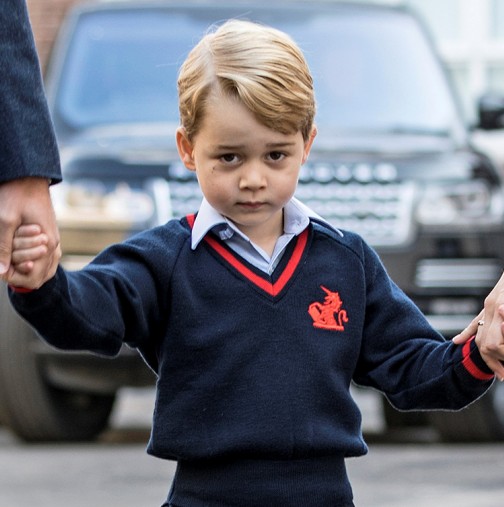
139,142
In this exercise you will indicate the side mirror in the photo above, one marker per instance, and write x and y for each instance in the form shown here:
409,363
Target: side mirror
491,111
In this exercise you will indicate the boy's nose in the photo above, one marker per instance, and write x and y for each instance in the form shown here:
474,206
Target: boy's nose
252,177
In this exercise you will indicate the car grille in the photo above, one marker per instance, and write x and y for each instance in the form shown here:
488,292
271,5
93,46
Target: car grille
463,273
364,198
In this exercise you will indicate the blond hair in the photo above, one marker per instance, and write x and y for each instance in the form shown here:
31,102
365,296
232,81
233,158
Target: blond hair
259,65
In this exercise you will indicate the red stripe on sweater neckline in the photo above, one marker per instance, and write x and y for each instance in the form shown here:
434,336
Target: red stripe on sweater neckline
273,289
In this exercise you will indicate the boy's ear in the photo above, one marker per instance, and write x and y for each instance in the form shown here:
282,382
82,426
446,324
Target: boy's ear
308,144
185,149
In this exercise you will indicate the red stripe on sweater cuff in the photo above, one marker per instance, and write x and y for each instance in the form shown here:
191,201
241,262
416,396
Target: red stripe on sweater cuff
20,290
471,366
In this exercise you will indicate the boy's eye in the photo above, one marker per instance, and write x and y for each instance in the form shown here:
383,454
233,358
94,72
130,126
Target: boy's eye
276,155
229,158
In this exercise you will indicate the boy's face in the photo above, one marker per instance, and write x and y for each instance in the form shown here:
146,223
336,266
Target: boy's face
246,171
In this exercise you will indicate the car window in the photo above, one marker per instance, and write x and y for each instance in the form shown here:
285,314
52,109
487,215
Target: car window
376,74
372,72
122,67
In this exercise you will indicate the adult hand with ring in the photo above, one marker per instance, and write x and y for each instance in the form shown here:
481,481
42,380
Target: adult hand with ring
488,327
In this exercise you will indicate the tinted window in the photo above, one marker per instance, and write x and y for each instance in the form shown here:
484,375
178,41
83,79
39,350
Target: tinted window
372,71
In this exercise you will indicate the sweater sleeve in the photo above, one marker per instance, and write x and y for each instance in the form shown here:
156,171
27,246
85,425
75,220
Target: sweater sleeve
121,297
27,140
406,359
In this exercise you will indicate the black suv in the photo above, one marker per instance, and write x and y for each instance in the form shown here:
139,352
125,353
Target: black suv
392,161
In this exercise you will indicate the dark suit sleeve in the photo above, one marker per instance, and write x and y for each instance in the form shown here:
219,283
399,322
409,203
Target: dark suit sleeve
27,140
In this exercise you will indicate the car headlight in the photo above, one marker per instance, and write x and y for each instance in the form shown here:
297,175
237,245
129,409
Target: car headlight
460,204
90,204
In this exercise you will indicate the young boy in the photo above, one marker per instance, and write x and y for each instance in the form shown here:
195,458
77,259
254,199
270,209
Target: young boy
255,313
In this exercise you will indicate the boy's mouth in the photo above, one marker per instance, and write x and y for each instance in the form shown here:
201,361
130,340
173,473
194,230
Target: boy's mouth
251,205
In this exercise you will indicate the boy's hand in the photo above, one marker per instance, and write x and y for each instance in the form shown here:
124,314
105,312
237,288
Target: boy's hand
30,258
27,201
29,244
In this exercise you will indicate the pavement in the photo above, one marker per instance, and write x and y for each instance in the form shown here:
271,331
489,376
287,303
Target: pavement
408,470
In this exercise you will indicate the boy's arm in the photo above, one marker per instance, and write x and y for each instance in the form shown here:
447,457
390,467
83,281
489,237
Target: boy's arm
70,316
404,357
122,296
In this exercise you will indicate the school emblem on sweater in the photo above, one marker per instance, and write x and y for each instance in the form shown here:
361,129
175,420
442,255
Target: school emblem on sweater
329,314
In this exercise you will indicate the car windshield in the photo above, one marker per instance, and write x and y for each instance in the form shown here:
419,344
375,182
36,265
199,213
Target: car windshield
372,71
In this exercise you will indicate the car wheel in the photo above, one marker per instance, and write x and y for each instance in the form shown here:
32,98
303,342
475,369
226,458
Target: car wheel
482,421
31,407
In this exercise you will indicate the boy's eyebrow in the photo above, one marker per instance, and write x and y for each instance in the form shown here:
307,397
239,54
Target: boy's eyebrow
241,146
279,145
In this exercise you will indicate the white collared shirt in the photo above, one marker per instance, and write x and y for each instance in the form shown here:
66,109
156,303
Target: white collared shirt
296,220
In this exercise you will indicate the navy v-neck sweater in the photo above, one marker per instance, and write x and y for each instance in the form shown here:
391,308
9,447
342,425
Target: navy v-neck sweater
254,370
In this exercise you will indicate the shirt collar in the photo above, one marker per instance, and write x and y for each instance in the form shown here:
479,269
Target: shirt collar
296,219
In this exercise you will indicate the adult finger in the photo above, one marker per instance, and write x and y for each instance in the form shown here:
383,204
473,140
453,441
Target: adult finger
470,330
490,340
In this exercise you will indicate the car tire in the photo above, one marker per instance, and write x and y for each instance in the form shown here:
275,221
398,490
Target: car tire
32,408
482,421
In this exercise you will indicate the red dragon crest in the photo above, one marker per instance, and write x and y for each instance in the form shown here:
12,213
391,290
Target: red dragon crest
329,314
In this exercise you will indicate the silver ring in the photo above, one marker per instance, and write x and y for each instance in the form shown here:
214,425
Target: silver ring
481,322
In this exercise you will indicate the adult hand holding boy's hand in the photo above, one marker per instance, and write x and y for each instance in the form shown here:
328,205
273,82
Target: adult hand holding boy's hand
488,327
28,201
